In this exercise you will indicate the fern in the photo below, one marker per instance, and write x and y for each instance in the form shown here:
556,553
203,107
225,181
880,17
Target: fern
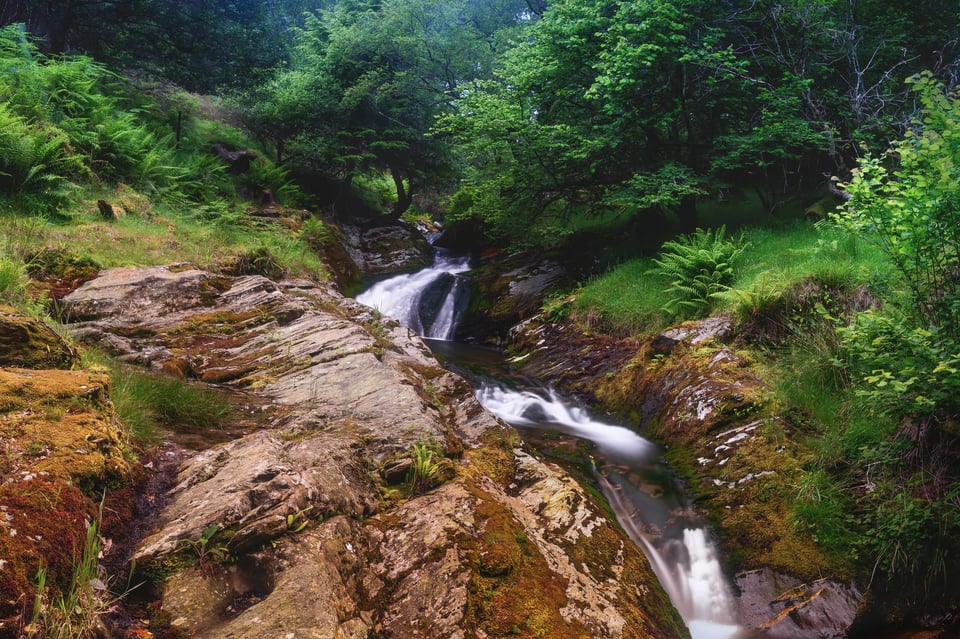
698,266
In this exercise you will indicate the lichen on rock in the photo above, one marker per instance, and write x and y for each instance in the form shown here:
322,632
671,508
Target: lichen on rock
300,502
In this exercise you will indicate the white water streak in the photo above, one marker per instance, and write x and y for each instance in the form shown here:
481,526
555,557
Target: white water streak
399,297
529,409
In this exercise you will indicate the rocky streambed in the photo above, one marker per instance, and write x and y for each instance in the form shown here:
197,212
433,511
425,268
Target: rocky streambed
316,523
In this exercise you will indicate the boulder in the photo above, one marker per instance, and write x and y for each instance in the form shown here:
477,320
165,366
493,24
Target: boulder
26,342
506,290
387,248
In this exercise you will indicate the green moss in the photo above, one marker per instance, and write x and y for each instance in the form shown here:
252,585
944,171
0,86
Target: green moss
513,592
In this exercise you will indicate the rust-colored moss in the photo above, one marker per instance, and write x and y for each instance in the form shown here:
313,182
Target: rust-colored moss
41,522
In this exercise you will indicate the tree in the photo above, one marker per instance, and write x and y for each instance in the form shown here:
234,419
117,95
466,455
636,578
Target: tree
199,44
644,106
379,74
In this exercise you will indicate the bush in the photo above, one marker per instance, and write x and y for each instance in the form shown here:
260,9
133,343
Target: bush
905,369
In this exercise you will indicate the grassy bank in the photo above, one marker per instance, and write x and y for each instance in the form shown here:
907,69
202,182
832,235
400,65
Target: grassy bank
880,491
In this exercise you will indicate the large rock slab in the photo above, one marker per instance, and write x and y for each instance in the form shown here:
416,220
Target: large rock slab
298,528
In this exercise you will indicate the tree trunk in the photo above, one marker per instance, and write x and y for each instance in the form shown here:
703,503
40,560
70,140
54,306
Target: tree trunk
404,195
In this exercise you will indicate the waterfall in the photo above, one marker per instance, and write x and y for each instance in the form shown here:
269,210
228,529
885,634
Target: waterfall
429,301
685,562
683,557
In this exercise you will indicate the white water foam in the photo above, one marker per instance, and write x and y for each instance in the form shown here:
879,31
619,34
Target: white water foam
687,567
399,297
524,408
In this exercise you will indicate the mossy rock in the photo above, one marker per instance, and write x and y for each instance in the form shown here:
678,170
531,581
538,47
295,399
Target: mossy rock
60,425
26,342
59,272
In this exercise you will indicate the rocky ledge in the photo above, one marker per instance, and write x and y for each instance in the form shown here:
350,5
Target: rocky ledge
691,390
374,497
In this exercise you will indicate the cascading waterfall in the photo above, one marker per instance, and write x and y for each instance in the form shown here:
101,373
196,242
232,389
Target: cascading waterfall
686,564
683,557
429,301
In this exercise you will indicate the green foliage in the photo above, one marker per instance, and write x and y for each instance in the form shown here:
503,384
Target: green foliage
821,508
905,369
17,234
909,204
698,266
205,549
428,469
625,301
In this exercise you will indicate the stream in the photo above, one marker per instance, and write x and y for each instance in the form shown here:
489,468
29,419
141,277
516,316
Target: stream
644,494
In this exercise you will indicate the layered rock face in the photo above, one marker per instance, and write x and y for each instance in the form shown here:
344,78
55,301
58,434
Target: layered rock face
692,390
374,498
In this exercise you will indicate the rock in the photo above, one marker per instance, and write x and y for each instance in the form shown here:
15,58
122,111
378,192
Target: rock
26,342
505,291
393,248
691,333
108,211
784,608
317,546
238,160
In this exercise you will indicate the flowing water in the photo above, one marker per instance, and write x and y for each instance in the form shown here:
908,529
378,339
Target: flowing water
629,469
429,301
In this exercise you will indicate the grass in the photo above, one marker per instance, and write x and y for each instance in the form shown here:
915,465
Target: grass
169,236
628,299
624,301
148,403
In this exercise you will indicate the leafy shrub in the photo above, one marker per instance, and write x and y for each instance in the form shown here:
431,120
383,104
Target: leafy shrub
698,266
908,203
905,369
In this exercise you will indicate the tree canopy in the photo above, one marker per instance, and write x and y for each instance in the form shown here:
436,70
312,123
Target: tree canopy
531,111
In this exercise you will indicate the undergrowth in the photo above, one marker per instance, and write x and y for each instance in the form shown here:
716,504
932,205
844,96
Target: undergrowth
148,403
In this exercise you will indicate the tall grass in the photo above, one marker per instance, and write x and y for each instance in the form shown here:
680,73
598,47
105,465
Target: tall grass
18,235
149,403
624,301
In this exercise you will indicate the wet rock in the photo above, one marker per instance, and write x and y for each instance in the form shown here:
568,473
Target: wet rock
300,502
691,333
393,248
505,291
784,608
26,342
